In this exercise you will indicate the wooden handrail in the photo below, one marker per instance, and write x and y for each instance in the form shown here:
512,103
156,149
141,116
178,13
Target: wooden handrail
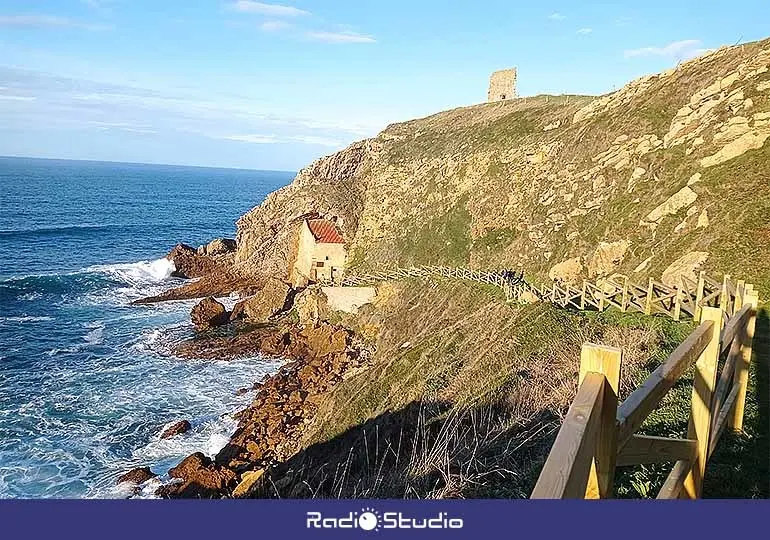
642,401
737,322
565,473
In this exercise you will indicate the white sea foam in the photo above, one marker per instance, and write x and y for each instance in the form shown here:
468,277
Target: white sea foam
24,319
138,273
95,335
140,279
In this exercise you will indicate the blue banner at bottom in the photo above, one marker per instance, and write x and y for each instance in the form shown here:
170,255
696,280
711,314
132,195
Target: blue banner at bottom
380,518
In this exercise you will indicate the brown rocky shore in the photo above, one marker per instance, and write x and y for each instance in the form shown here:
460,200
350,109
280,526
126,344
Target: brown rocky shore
275,322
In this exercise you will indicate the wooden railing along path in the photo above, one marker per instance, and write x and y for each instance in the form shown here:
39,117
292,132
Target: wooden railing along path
598,435
618,291
512,283
683,300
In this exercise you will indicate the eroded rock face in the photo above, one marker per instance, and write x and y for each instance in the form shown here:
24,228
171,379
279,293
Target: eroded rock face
177,428
679,200
267,302
569,271
329,187
219,246
312,306
209,313
607,257
748,141
686,266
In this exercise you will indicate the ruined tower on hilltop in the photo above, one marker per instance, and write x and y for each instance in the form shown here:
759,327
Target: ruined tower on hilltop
502,85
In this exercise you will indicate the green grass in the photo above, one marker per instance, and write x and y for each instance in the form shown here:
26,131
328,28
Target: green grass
444,239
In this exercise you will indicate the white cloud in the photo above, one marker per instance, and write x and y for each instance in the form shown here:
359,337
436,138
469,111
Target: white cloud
40,21
557,16
585,31
141,131
17,98
256,138
341,37
681,50
274,26
272,10
250,138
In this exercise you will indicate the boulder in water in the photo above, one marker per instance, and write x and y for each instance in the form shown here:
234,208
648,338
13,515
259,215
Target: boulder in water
201,479
137,476
209,313
177,428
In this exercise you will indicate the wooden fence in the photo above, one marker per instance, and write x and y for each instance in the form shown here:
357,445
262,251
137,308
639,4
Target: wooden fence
598,435
512,284
654,297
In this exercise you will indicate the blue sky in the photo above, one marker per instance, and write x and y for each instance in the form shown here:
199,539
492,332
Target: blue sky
276,85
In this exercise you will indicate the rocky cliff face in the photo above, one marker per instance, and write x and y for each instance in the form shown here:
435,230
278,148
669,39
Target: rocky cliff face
333,187
664,176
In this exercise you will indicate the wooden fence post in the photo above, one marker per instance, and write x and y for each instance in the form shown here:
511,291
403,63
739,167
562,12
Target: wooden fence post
583,295
602,296
624,298
724,296
678,300
699,294
648,300
607,361
704,382
739,293
743,362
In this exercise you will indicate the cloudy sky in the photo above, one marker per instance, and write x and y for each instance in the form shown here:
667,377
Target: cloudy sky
275,85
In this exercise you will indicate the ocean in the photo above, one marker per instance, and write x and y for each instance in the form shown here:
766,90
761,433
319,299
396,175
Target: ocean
87,382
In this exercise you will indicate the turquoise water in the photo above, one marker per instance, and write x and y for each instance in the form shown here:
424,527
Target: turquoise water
86,380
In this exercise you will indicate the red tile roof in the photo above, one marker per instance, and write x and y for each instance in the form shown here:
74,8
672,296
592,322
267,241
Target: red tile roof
325,231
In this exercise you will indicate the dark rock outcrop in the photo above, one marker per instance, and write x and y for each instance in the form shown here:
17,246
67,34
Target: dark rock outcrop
214,275
201,479
177,428
189,264
270,429
209,313
136,476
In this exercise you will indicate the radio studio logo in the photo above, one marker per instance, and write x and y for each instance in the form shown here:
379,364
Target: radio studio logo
369,519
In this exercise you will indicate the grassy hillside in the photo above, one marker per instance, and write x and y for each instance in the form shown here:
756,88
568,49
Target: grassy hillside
670,165
463,397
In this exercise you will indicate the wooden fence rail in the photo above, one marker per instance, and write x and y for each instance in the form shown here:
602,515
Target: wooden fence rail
682,300
512,283
598,435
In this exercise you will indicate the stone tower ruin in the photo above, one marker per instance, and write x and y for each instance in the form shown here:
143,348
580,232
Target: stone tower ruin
502,85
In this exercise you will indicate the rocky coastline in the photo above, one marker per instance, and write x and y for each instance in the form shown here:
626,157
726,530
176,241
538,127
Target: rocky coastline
270,319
